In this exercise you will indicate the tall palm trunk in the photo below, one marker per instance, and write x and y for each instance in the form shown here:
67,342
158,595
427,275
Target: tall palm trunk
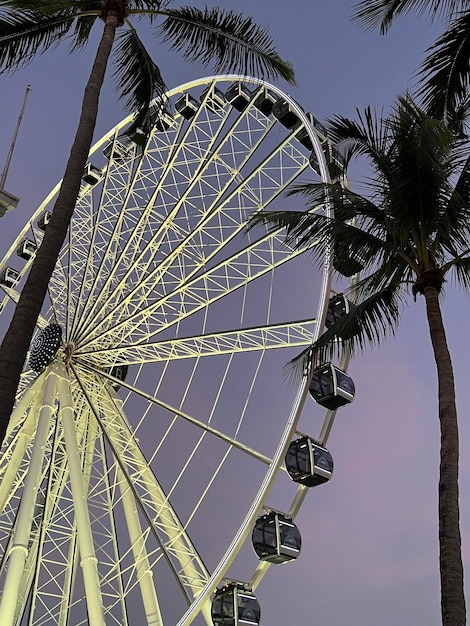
450,557
20,332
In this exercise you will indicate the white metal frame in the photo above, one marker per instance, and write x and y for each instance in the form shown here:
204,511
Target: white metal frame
158,243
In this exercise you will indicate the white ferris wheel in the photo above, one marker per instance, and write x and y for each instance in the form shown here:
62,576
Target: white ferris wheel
153,420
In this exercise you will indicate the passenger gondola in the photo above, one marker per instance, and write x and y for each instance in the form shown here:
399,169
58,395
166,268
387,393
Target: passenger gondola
331,387
187,106
119,372
264,101
235,605
164,121
215,99
338,307
308,463
92,174
238,95
117,149
44,220
27,249
303,135
276,539
347,264
286,114
9,277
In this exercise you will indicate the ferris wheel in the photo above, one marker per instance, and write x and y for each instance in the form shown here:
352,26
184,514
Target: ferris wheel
149,438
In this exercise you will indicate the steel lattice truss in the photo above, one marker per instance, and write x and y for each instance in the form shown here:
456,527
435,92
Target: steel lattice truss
160,277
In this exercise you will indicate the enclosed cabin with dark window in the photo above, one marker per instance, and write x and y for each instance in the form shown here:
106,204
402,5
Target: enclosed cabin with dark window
91,174
235,605
44,220
338,307
187,106
215,99
264,101
117,149
286,114
164,121
238,95
331,387
276,538
27,249
9,277
308,463
119,372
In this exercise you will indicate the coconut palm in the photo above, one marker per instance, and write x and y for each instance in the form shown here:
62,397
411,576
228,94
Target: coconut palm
409,233
446,70
227,40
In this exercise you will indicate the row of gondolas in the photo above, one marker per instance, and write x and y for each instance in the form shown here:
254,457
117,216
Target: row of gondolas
275,537
239,96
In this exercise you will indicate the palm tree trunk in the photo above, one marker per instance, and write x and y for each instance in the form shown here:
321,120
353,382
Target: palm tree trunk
18,337
450,557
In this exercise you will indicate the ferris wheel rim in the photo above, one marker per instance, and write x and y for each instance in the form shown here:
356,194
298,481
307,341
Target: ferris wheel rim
221,570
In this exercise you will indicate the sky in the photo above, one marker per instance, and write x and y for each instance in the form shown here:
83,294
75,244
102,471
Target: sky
370,536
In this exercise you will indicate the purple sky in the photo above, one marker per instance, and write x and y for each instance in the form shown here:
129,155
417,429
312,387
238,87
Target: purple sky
370,536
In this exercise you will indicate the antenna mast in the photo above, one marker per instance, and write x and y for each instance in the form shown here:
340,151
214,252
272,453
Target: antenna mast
7,200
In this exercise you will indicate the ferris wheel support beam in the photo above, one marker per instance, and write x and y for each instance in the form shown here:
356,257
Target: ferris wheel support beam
189,418
85,538
13,459
144,571
193,574
19,548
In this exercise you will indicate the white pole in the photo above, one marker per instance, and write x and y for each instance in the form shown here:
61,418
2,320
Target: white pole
88,560
13,142
144,572
19,550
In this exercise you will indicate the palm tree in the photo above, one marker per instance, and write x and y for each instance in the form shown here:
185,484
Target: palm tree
446,70
227,40
409,233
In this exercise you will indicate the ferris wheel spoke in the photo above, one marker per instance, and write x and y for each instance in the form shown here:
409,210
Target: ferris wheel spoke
293,334
185,416
144,320
184,172
178,548
177,241
112,222
160,155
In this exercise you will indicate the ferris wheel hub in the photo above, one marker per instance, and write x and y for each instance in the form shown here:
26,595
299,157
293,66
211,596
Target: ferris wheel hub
45,347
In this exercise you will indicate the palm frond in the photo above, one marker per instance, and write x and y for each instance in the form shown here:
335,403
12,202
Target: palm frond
27,33
446,70
453,227
346,203
366,137
137,78
82,32
150,11
226,39
83,26
369,14
458,118
367,325
147,6
459,270
315,231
